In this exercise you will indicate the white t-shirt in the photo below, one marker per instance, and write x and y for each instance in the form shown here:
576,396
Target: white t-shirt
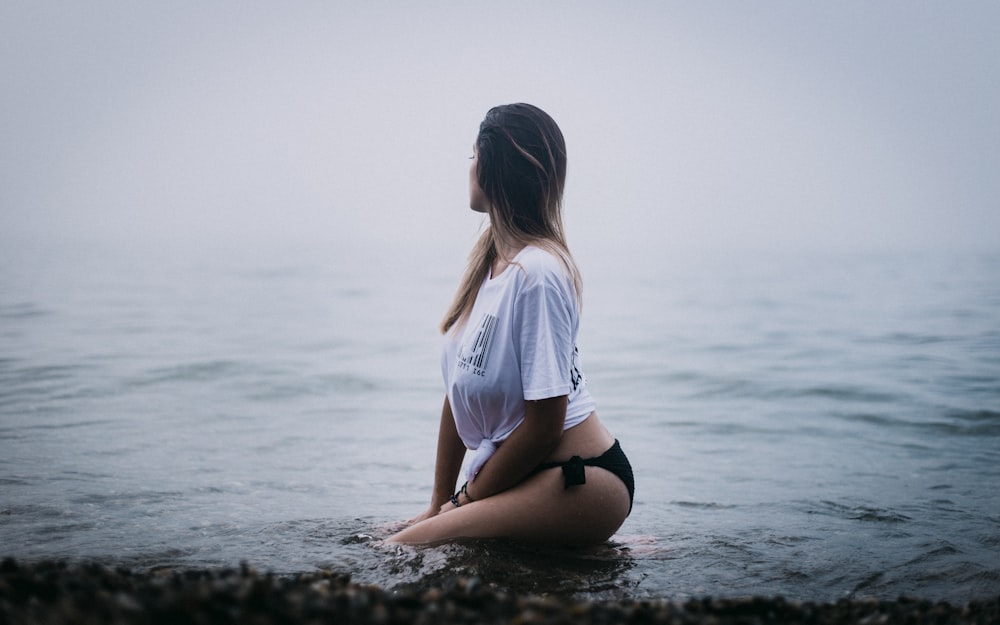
518,344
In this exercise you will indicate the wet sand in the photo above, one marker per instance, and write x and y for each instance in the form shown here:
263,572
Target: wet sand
56,592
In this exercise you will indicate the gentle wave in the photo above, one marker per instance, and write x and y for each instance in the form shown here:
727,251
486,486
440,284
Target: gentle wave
861,513
23,310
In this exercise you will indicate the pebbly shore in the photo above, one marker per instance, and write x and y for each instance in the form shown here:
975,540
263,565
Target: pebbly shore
58,592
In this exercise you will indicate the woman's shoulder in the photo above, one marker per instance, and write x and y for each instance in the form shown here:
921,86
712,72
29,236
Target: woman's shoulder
540,265
534,259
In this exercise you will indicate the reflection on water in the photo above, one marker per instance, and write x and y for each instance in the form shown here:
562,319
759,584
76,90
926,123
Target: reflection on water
514,568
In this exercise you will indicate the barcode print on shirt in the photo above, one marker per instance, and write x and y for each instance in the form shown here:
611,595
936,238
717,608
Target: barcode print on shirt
477,355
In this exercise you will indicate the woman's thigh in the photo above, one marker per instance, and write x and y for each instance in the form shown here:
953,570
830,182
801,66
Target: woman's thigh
540,509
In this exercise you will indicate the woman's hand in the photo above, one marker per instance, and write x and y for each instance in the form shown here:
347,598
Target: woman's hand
426,514
446,507
463,497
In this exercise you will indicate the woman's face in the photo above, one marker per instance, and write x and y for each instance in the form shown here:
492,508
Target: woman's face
477,199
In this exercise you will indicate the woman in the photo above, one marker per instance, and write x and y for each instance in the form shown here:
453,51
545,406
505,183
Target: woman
545,468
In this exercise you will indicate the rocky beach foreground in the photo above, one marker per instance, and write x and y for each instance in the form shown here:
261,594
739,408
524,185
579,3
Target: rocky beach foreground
57,592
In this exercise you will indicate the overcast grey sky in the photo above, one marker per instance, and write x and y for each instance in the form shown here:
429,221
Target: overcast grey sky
689,124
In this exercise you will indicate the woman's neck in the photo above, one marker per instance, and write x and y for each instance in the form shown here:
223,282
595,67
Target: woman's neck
504,256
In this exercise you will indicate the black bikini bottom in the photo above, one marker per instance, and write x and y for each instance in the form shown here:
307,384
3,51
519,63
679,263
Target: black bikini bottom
613,460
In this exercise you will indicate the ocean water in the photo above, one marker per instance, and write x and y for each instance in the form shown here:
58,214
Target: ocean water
815,426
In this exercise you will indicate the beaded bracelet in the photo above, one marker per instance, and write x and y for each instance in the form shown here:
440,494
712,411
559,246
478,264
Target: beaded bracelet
465,491
462,491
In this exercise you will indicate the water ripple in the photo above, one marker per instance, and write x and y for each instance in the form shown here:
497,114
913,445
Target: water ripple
22,310
860,513
202,371
709,505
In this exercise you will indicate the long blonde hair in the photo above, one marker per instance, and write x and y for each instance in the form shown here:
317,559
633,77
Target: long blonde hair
521,168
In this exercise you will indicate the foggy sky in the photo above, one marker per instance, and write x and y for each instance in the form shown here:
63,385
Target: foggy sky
863,125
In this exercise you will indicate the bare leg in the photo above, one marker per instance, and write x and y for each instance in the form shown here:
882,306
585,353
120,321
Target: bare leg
540,509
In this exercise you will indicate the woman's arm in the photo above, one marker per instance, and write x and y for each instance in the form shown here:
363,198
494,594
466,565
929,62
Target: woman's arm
524,449
450,453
